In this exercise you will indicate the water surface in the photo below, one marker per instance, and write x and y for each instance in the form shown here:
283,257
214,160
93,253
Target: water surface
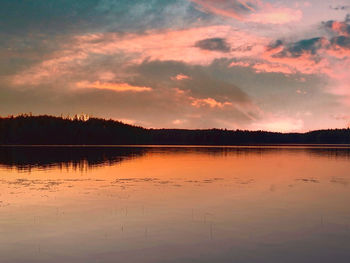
174,204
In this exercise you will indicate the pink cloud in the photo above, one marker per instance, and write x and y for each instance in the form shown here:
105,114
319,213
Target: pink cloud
338,27
304,63
177,45
264,66
280,59
271,61
255,11
117,87
338,52
224,8
272,15
275,68
180,77
169,45
60,64
209,102
329,60
239,64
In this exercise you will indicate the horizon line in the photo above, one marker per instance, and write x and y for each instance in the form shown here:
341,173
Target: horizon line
85,117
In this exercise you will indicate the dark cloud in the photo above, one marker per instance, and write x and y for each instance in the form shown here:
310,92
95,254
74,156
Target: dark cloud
338,28
340,32
275,44
214,44
341,41
340,36
298,48
340,7
309,45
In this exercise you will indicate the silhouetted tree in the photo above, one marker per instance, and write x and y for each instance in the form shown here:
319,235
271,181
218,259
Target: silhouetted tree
41,130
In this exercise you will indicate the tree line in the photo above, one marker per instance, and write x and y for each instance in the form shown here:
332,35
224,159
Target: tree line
51,130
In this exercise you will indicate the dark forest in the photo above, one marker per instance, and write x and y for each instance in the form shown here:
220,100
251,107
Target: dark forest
50,130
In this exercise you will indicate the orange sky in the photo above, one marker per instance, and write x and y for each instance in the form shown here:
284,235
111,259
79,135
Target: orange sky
236,64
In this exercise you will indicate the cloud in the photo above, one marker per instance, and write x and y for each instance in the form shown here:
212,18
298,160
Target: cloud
255,11
340,7
212,103
180,77
341,41
289,58
203,82
117,87
177,45
187,83
235,9
272,15
318,49
308,56
239,64
299,48
340,47
213,44
326,56
272,68
147,94
339,28
340,37
202,91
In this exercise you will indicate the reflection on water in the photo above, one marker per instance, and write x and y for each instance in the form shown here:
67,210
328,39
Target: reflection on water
27,158
46,157
174,204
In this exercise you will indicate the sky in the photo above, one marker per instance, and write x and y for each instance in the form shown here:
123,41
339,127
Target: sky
235,64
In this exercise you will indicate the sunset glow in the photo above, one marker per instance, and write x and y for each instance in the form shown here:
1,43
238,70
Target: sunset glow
158,131
235,64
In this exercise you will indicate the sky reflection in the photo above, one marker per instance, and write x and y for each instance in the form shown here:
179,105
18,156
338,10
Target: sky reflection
177,205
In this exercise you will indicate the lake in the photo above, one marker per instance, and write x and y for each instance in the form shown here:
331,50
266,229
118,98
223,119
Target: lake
174,204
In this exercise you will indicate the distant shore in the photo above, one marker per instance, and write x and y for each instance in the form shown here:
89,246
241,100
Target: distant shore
257,146
47,130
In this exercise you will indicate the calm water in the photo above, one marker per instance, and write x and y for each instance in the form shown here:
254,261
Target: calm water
277,204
